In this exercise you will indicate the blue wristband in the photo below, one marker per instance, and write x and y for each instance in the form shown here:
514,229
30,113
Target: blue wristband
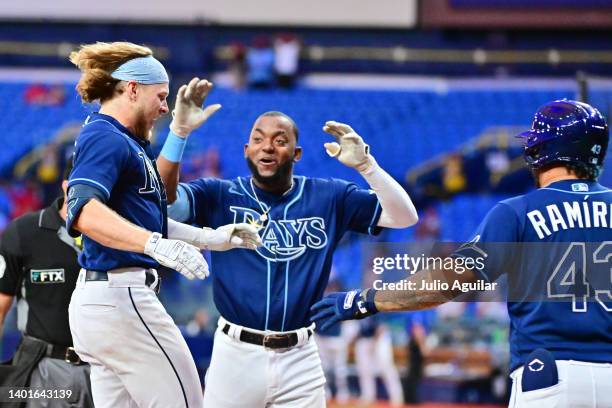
174,147
369,301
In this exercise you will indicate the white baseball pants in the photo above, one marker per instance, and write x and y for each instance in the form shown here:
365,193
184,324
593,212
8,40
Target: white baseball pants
581,385
247,375
138,356
372,357
334,357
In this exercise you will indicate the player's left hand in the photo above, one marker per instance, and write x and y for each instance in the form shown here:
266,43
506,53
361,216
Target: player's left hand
349,148
230,236
189,112
339,306
178,255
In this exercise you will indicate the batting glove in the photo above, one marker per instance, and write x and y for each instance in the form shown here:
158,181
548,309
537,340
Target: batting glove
189,113
229,237
178,255
349,148
339,306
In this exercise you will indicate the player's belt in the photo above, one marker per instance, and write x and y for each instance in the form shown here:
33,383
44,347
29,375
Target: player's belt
56,351
103,276
271,341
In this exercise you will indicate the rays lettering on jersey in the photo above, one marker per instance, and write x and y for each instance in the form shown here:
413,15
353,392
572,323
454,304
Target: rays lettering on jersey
151,182
285,240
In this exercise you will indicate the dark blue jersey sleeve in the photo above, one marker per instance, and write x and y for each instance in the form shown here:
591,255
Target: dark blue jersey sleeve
359,208
490,242
204,195
99,159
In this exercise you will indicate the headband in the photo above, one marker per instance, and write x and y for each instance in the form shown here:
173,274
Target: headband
144,70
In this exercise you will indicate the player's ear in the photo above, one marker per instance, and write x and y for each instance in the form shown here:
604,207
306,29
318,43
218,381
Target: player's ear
65,190
246,147
131,90
297,155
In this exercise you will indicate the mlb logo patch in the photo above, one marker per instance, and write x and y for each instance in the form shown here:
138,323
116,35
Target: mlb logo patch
580,187
43,276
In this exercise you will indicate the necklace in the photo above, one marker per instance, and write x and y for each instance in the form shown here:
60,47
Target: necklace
264,216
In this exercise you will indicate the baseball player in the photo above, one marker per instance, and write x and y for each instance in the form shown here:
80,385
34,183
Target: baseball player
334,352
264,354
38,267
117,200
560,341
374,355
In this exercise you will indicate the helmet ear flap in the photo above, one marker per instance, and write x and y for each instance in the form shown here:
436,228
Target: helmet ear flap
532,154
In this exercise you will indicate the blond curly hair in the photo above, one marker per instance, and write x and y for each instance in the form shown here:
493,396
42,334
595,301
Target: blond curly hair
97,62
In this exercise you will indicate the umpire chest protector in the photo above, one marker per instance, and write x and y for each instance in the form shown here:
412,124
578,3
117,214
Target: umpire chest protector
41,271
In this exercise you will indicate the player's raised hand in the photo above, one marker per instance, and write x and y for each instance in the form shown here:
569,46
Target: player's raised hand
339,306
189,112
230,236
349,148
178,255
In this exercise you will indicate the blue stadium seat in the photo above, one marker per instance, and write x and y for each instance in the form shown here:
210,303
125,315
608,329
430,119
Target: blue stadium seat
404,128
460,217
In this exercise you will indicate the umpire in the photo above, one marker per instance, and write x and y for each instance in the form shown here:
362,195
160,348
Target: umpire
38,265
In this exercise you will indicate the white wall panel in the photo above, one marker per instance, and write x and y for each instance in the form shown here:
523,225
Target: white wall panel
344,13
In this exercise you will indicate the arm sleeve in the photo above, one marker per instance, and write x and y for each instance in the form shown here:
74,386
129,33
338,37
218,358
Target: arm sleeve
184,232
492,242
202,196
181,209
359,208
99,160
11,261
398,211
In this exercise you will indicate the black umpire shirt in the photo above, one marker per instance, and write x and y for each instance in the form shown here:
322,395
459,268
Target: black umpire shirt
39,266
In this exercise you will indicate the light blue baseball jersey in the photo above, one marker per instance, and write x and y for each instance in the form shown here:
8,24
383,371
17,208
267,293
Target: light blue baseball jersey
273,288
559,273
121,166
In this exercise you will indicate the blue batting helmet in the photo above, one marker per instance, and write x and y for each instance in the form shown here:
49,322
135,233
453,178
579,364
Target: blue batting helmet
566,131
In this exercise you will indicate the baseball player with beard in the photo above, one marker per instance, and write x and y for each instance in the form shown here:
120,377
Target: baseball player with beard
264,353
558,270
117,200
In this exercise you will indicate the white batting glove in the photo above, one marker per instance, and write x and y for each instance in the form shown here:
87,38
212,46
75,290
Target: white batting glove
349,148
229,237
189,113
178,255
